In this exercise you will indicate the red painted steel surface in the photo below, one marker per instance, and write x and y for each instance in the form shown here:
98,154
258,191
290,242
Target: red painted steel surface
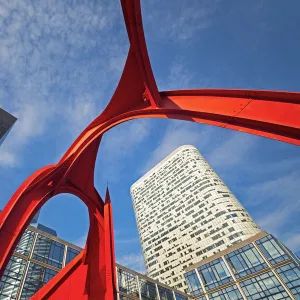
92,274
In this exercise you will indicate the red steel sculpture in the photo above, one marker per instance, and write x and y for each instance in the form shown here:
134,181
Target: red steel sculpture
91,275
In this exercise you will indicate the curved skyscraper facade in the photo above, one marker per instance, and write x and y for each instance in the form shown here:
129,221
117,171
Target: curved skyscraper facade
185,213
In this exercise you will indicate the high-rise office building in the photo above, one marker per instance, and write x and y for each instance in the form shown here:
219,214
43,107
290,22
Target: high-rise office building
260,267
185,213
6,122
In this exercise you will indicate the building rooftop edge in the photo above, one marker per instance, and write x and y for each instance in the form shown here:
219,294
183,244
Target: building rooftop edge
151,279
227,250
161,163
12,117
53,237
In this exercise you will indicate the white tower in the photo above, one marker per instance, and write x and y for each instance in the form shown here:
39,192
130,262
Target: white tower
185,213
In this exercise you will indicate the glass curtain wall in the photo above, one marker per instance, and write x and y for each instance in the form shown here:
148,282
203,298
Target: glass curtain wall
24,275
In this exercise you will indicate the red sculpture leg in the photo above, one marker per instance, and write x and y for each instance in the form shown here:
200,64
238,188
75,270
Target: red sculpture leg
91,275
109,250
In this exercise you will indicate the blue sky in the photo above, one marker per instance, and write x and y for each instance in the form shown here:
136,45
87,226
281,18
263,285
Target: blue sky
61,61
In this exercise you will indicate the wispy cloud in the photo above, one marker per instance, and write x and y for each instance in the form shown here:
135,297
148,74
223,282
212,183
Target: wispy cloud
118,144
176,134
31,123
179,20
79,113
134,261
126,136
280,196
80,242
54,68
232,150
293,242
179,76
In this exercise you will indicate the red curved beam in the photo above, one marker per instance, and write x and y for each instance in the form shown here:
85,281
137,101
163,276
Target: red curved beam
91,275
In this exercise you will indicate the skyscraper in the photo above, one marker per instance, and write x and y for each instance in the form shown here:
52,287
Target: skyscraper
6,122
185,213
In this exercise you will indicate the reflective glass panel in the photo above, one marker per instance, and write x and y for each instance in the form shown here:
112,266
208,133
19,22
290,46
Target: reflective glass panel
264,286
127,283
71,254
272,249
290,274
193,283
25,243
245,261
11,279
165,294
36,277
201,298
122,297
148,290
180,297
294,257
229,293
214,274
48,251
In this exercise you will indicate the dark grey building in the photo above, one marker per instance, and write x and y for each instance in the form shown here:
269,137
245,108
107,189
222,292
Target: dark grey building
6,122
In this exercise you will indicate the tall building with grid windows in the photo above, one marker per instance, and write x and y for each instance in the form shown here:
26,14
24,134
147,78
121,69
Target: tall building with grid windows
185,213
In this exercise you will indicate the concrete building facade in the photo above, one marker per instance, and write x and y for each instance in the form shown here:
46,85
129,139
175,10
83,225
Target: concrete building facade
185,213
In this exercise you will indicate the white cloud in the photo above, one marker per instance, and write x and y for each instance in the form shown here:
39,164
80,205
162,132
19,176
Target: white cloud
178,133
232,150
179,77
178,21
80,242
134,261
53,65
119,143
293,242
8,159
32,119
284,186
281,198
124,137
79,113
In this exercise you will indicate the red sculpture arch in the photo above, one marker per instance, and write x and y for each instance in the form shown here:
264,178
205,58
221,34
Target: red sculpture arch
91,275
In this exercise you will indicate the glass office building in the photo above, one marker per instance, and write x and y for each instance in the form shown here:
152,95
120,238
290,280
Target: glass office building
135,286
39,256
258,268
6,122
